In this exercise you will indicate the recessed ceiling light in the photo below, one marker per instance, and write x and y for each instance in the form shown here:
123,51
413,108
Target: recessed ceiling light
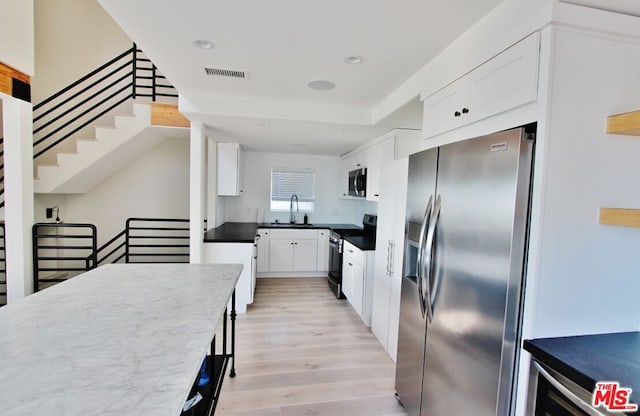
203,44
355,59
321,85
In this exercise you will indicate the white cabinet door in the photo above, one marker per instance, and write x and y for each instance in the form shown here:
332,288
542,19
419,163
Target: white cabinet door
323,251
506,81
305,255
401,173
229,168
357,288
347,277
280,255
376,156
234,253
263,251
443,110
388,256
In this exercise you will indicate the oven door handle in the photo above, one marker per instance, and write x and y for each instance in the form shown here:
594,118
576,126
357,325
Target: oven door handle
586,407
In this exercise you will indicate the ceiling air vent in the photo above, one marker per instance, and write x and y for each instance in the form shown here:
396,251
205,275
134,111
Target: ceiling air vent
225,72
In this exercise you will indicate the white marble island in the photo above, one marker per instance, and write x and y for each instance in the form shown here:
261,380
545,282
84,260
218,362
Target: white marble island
124,339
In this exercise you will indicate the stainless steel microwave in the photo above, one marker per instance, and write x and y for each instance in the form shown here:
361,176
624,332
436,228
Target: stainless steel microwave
358,182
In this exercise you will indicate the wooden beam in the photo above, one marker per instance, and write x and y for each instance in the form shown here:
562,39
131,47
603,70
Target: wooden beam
167,115
627,123
620,216
15,83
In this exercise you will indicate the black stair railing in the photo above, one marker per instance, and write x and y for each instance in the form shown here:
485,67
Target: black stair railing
64,250
157,240
61,251
148,240
130,75
3,267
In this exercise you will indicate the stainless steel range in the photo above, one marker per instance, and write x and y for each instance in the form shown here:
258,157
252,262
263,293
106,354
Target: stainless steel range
336,242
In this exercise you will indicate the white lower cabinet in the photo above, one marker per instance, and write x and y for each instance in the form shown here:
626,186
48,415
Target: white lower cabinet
293,250
263,250
387,279
236,253
305,255
323,251
357,276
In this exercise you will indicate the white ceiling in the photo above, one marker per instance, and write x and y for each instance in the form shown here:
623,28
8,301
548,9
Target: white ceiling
283,44
631,7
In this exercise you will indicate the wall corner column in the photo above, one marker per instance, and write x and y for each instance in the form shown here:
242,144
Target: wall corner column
197,192
18,195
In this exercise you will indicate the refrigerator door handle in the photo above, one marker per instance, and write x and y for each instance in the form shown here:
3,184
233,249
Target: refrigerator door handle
419,260
388,247
429,260
392,248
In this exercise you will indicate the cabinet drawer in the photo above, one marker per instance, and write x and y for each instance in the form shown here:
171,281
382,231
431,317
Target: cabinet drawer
353,253
293,234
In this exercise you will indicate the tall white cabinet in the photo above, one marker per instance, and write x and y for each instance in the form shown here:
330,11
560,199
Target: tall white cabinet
387,279
229,168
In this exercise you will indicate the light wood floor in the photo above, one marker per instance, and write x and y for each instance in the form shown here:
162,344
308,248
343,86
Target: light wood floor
300,351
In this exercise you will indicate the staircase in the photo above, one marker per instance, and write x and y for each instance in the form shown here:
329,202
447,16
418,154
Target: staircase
71,155
95,159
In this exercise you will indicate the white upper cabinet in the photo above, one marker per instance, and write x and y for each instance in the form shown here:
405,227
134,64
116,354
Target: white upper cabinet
507,81
229,168
376,156
396,144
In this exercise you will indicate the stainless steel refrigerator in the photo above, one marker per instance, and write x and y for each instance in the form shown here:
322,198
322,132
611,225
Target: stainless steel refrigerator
467,221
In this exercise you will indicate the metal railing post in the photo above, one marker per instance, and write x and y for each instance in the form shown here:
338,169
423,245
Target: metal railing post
126,241
134,71
153,83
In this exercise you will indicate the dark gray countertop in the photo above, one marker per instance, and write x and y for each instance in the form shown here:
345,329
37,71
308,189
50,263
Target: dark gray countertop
245,232
363,242
589,359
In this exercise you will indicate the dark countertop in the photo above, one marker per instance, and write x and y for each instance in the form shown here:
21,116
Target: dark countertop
232,232
310,226
245,232
362,242
588,359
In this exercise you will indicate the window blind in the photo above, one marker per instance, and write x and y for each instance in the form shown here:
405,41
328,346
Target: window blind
287,182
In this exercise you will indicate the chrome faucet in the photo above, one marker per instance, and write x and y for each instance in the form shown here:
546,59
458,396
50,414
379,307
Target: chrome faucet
292,216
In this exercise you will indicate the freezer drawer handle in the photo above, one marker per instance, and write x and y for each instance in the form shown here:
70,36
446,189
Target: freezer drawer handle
566,392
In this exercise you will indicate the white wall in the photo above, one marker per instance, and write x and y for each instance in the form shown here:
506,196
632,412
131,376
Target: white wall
155,185
16,35
329,208
587,274
72,38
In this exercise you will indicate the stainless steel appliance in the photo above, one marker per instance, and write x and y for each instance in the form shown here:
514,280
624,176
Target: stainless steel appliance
467,217
358,182
552,394
336,242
